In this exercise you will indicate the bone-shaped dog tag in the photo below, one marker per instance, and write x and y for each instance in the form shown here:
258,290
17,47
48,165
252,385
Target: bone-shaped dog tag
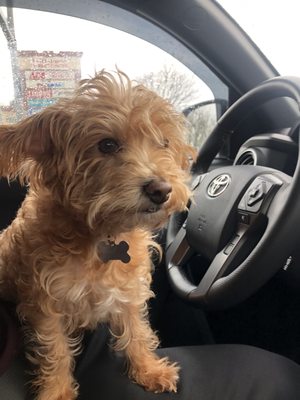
108,251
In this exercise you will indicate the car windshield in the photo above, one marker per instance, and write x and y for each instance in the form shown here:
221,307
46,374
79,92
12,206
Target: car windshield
273,26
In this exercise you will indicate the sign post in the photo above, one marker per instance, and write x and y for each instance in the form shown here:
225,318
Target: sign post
7,26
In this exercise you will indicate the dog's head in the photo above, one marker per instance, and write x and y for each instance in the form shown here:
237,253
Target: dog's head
113,155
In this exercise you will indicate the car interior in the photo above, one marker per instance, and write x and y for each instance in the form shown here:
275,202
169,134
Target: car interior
227,296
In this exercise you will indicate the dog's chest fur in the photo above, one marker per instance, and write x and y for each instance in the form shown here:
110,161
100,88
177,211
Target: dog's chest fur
91,294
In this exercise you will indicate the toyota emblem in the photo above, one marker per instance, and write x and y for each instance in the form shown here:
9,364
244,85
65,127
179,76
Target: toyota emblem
218,185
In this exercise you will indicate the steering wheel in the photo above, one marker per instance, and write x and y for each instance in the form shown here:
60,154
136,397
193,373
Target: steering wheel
244,219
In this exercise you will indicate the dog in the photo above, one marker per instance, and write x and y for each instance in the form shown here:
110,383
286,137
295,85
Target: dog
105,169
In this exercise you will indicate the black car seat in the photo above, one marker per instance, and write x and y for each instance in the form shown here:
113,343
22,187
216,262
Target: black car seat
213,372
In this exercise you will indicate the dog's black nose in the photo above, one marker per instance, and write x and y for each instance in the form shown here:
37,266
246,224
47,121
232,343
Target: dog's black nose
157,190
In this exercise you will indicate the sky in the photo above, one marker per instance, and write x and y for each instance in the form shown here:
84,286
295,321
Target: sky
272,24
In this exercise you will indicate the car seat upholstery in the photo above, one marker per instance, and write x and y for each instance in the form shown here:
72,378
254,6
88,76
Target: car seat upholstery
11,196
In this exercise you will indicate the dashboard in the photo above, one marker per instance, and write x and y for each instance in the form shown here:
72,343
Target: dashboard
274,150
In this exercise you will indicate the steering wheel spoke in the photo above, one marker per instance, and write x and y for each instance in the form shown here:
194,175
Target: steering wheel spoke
179,251
177,255
228,259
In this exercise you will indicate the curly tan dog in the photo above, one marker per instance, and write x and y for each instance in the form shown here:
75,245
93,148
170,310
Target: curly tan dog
106,167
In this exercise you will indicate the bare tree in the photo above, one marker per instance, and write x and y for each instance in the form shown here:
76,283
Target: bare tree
201,122
181,91
172,85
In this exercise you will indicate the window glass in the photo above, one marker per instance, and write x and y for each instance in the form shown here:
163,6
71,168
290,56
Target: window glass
52,52
273,26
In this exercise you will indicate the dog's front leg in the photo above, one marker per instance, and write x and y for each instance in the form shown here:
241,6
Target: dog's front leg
50,352
135,337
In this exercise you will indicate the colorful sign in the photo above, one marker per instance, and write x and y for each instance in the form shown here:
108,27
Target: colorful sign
48,76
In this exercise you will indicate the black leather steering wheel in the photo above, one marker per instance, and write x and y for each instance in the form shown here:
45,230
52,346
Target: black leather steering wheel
244,219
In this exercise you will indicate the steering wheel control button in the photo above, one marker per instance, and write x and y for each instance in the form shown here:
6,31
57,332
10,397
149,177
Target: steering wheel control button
231,245
228,249
244,218
254,196
218,185
257,194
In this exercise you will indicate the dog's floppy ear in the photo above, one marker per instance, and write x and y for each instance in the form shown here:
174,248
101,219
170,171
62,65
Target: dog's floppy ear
29,140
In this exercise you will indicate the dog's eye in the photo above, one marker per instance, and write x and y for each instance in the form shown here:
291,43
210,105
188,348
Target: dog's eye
166,143
108,146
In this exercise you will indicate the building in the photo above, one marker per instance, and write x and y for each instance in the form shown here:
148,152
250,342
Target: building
44,78
7,115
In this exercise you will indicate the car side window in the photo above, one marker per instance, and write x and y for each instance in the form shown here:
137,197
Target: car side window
43,56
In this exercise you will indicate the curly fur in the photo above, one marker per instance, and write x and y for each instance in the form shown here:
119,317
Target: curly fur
78,196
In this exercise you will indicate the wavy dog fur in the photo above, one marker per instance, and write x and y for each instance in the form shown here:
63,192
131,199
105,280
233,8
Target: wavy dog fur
78,197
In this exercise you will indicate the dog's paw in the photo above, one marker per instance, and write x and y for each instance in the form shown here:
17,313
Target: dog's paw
68,394
158,376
